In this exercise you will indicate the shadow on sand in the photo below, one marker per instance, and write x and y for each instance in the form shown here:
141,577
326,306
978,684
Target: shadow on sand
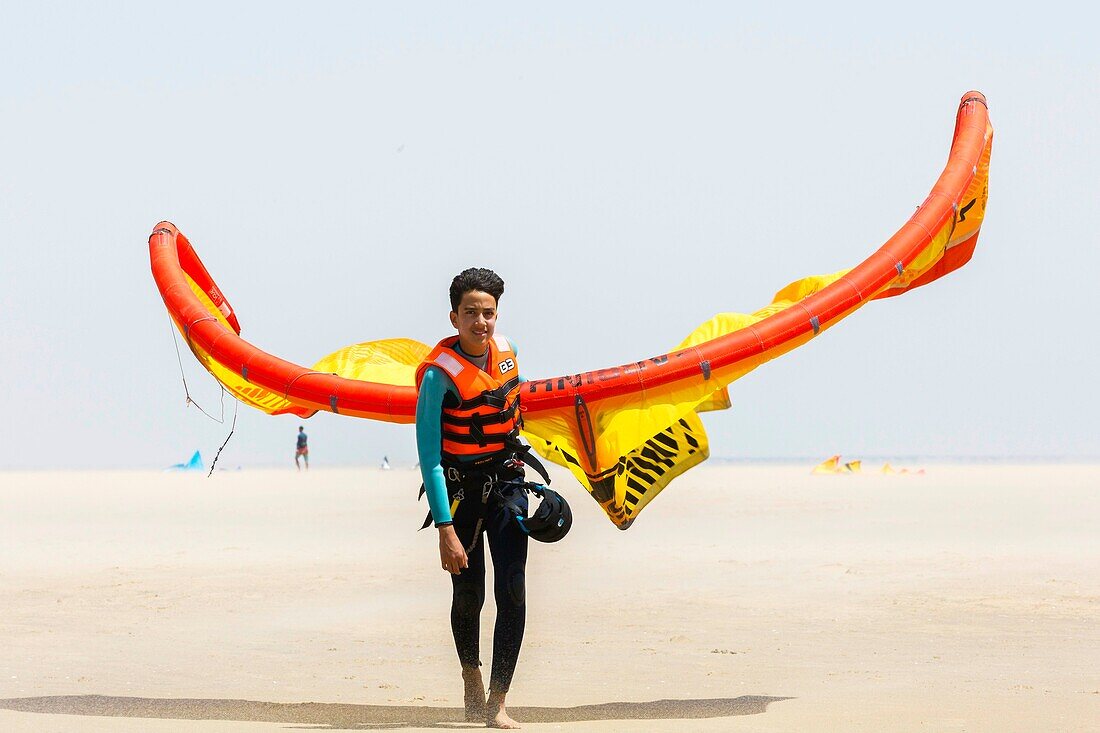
343,716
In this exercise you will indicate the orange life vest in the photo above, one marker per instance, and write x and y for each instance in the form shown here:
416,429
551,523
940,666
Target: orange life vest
486,412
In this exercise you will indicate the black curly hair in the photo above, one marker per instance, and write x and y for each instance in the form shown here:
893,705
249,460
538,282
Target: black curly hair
475,278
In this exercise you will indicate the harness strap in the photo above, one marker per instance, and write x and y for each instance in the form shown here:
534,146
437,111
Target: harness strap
487,468
524,454
526,487
486,489
455,500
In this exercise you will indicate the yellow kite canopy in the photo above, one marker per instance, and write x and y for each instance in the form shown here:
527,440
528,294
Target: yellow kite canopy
624,432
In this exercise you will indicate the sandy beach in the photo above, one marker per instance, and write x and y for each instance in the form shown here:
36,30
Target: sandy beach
756,598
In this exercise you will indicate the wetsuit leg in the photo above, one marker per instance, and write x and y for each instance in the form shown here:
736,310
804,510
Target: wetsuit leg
468,592
508,545
466,603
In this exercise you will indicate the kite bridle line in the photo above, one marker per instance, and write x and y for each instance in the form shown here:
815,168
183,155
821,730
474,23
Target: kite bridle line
183,377
190,401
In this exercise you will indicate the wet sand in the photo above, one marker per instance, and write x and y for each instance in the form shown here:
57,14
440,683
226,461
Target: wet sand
754,598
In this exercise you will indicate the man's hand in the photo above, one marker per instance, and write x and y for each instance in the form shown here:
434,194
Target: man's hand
451,553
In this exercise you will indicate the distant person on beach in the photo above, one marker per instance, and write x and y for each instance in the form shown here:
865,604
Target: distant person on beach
302,451
467,437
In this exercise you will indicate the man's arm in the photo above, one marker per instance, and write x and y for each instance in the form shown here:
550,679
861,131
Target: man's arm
429,441
429,438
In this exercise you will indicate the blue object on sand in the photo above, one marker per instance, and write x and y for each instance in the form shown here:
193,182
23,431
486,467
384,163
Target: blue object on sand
195,464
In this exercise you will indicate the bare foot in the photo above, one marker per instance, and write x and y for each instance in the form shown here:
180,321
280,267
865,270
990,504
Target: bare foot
473,694
495,714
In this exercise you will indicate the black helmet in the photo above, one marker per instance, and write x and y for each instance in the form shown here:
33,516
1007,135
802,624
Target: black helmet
550,521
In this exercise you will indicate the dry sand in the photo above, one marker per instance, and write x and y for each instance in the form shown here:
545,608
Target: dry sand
745,598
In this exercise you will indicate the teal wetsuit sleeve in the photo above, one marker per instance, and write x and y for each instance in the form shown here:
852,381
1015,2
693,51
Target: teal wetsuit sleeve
429,439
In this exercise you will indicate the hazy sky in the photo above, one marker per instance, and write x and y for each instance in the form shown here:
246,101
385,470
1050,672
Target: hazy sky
630,170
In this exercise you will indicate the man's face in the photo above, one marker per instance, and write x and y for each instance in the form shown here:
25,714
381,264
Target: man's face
476,321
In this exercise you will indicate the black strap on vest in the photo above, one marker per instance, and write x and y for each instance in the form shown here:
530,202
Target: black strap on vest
495,418
497,397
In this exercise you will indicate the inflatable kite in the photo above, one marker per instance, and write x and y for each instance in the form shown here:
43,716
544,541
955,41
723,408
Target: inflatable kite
626,431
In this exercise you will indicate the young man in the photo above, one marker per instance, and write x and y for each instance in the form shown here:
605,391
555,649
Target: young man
303,448
467,435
